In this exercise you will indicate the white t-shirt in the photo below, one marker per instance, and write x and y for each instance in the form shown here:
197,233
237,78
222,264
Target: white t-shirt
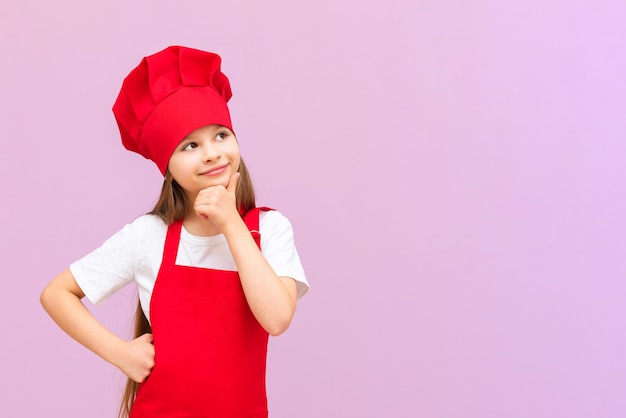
135,253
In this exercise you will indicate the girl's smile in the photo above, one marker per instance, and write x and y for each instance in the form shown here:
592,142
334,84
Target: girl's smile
215,171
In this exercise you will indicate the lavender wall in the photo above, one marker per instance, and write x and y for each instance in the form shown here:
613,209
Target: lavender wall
454,171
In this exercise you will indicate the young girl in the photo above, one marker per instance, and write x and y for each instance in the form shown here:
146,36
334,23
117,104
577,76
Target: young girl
215,274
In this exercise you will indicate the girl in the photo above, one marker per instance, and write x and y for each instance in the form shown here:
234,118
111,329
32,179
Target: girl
215,274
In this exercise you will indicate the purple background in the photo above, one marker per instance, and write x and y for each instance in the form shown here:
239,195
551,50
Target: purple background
454,171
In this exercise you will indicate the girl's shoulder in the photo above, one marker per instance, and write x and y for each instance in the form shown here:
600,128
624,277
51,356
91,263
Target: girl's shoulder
148,220
279,248
271,219
147,224
143,232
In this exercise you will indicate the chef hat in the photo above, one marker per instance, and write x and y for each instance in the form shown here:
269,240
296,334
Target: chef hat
166,97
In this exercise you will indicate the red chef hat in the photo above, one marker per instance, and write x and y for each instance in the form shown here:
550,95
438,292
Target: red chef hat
166,97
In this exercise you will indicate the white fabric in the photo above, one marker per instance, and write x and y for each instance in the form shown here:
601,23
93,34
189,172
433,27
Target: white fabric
136,251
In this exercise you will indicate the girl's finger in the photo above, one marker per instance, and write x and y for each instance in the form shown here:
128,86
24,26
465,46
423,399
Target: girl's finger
232,183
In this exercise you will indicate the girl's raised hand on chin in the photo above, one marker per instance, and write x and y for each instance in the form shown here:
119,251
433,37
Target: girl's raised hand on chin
218,203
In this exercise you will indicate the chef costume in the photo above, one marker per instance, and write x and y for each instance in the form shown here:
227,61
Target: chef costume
210,351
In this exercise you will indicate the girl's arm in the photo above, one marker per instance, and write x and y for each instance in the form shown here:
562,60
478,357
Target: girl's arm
62,300
272,299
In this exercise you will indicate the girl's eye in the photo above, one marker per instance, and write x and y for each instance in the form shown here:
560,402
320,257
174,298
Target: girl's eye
190,146
221,136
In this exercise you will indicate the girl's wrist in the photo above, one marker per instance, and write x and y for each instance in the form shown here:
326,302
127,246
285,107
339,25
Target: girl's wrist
235,228
114,351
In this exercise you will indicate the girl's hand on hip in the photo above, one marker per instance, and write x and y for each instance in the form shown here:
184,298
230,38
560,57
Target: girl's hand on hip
218,203
138,358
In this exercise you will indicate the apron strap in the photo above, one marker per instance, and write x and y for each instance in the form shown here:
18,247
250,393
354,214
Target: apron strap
251,219
172,239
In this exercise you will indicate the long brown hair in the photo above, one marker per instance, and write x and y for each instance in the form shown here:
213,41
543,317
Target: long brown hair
173,206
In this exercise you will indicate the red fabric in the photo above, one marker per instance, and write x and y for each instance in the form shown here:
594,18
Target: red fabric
167,96
210,351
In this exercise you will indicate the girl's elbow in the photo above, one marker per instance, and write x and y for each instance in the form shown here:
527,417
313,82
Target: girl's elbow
278,326
47,296
277,320
56,292
277,329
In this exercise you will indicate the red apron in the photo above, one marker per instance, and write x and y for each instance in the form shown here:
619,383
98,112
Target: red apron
210,351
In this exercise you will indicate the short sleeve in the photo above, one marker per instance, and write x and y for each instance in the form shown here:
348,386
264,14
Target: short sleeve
279,248
110,267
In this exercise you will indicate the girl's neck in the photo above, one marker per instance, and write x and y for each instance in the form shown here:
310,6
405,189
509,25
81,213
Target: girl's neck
195,225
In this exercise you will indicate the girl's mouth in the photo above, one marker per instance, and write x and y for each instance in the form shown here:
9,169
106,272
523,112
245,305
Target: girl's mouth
215,171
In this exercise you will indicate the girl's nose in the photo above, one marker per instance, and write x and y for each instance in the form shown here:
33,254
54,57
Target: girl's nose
210,152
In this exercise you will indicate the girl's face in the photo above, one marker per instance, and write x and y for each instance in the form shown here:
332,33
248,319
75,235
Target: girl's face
207,157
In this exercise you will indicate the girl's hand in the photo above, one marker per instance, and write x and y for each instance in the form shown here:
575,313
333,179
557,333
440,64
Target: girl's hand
218,203
137,358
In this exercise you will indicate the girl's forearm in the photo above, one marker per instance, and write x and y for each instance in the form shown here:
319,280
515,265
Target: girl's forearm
62,300
272,299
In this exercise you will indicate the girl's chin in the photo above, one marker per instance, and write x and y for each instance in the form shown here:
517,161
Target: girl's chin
213,182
